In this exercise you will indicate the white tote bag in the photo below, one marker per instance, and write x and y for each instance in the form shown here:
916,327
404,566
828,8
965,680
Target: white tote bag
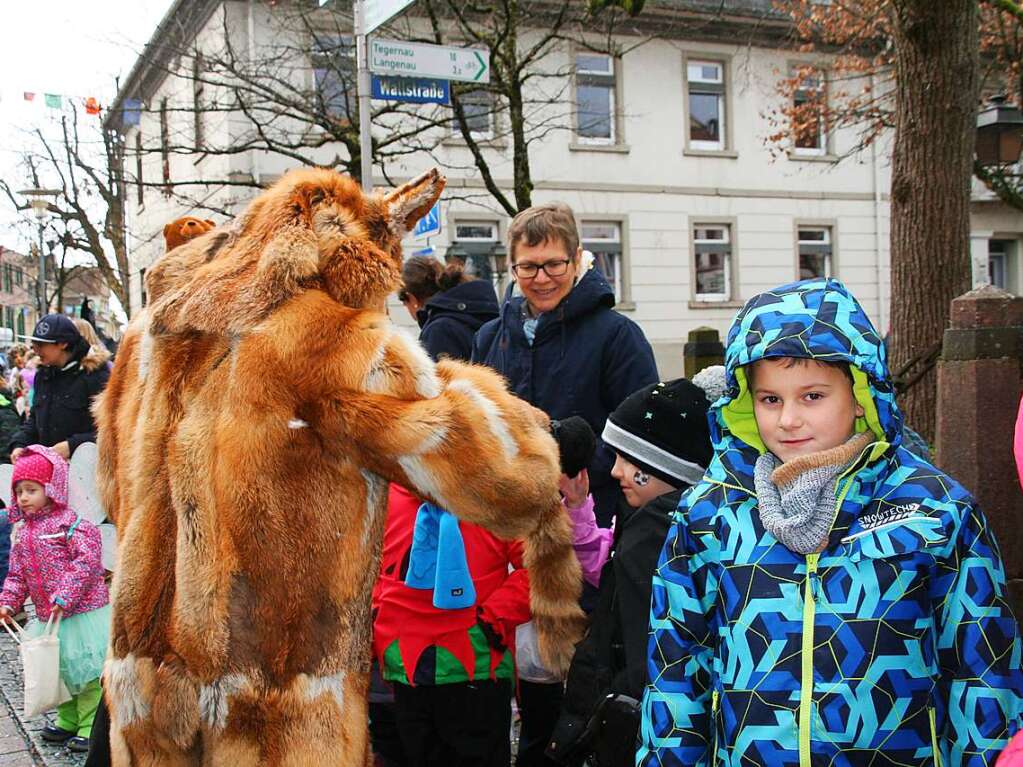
528,664
40,658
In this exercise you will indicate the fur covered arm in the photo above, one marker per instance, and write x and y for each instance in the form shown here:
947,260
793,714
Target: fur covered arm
487,457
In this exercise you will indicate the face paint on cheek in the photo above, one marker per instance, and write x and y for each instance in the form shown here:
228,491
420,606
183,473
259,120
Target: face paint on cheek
639,479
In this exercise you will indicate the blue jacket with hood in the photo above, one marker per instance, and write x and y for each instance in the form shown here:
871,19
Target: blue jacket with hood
585,359
449,320
893,646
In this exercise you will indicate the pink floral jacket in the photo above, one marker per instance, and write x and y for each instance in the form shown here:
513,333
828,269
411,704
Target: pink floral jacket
56,557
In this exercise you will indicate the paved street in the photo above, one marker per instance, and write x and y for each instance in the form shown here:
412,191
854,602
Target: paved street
20,744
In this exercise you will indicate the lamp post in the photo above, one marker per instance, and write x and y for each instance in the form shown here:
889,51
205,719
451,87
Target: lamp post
499,259
40,204
999,133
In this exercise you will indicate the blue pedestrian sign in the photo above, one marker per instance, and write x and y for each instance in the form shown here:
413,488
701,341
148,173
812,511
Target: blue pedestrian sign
412,90
428,225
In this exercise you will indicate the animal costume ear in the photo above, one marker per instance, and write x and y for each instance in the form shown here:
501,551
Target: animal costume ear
410,202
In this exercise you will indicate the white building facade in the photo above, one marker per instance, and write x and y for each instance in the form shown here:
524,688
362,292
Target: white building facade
664,158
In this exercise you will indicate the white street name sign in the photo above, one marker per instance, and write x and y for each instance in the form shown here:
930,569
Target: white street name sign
381,11
393,57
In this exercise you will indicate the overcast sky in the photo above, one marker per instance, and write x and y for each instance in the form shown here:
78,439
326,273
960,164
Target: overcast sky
70,47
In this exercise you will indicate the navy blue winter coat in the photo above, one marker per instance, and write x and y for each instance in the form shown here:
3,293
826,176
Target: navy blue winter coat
449,320
584,361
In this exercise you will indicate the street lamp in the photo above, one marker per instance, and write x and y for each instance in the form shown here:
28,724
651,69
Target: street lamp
999,133
39,202
456,251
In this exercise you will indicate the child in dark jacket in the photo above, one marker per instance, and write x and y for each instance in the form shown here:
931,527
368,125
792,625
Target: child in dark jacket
56,559
662,446
824,596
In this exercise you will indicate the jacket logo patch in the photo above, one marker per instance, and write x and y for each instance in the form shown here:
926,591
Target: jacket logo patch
886,515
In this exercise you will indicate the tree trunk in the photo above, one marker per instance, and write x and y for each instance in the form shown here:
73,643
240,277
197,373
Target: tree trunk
936,43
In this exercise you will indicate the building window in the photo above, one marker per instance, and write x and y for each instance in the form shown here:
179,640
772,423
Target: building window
165,145
8,278
808,100
604,240
712,258
9,317
139,191
595,98
198,106
474,245
19,276
999,255
142,285
21,321
815,252
478,107
706,85
334,74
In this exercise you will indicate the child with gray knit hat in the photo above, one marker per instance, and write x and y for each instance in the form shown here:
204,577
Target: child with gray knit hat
662,440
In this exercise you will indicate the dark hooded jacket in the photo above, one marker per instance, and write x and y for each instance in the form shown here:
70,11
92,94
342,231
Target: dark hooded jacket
61,405
584,360
611,658
449,320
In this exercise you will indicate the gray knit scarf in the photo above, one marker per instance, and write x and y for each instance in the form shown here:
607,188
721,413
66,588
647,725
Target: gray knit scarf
797,499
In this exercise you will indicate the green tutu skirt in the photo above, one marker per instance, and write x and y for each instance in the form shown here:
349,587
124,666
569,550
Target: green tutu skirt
83,646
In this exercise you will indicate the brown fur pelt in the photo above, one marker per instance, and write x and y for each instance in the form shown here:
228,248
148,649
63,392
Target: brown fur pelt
257,411
181,230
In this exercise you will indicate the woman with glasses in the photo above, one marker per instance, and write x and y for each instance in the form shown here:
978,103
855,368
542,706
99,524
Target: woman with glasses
563,349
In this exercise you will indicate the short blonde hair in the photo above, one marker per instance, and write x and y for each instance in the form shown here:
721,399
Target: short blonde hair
552,221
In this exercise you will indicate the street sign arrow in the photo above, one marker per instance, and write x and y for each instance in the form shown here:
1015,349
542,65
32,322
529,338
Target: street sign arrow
394,57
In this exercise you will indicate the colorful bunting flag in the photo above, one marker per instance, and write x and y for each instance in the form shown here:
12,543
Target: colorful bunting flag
53,100
92,106
29,96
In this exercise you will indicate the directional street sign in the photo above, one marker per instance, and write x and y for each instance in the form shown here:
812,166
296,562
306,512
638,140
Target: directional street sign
428,225
381,11
393,57
413,90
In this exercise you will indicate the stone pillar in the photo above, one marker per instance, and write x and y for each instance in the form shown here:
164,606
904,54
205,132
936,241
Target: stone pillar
979,376
703,349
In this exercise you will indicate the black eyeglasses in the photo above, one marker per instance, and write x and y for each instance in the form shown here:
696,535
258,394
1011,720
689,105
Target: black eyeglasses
552,268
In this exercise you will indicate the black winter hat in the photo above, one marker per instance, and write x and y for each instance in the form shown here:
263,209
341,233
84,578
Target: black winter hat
576,442
663,430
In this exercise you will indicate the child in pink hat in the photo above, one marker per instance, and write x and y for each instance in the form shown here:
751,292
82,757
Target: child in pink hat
56,560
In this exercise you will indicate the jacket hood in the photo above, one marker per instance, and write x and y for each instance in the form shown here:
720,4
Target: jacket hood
814,319
591,292
473,303
56,488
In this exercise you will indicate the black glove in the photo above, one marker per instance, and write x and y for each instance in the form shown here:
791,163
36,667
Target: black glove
576,442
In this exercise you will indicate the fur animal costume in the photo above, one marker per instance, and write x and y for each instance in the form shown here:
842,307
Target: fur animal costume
258,409
181,230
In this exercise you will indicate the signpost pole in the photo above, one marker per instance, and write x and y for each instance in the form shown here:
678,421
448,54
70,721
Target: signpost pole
364,87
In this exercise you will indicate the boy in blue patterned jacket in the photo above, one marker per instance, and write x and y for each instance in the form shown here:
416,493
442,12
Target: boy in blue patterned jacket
824,597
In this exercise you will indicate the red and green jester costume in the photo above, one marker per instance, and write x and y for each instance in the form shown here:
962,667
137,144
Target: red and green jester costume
419,644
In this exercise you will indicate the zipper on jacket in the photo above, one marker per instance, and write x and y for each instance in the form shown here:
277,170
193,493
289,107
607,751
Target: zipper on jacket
810,592
714,726
932,718
806,682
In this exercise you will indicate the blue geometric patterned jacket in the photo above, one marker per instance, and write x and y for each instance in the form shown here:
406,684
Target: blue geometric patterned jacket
894,646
